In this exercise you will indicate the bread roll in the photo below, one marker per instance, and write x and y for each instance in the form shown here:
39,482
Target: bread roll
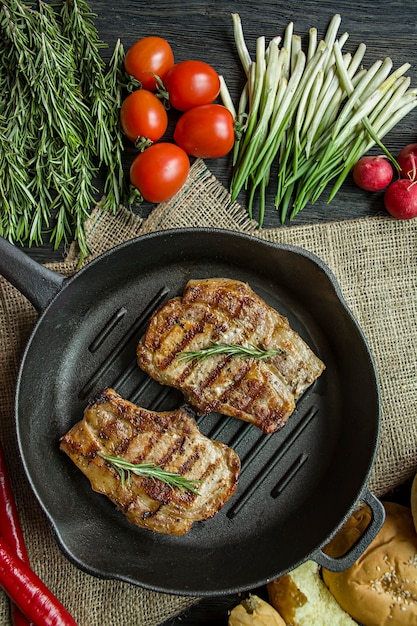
253,611
414,501
302,598
380,589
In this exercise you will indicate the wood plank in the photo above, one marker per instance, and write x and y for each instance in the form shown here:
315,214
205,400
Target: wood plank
204,30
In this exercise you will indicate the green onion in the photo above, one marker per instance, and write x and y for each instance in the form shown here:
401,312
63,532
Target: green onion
313,115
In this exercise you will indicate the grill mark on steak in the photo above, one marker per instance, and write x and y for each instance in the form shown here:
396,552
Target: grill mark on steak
189,335
233,300
256,390
229,311
171,448
114,426
234,383
213,374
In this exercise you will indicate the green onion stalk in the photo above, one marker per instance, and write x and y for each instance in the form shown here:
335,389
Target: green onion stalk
311,115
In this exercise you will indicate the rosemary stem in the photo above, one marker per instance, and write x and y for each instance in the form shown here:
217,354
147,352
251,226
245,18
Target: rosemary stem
59,121
149,470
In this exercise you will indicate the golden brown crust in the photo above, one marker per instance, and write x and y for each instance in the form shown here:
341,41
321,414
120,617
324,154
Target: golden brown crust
302,598
219,310
413,501
254,611
287,597
114,426
380,589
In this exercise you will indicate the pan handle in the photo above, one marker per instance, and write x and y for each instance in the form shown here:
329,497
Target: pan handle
35,281
346,560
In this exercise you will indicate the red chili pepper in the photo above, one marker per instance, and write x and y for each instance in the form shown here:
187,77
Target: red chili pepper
10,529
17,617
28,591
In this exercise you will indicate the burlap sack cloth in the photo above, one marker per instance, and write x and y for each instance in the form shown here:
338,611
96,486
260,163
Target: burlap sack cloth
375,262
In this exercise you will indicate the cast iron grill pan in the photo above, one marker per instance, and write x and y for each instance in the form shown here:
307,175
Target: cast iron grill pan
296,487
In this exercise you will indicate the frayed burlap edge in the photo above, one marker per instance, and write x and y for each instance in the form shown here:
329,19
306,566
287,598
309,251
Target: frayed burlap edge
375,263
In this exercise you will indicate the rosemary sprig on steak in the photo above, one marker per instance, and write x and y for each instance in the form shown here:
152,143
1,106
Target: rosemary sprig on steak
150,470
231,349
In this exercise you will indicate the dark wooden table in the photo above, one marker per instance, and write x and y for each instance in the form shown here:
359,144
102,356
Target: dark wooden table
203,30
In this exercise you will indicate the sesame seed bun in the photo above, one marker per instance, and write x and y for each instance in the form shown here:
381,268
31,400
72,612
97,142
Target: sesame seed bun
380,589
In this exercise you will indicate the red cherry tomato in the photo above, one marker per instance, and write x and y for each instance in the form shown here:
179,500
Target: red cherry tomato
191,83
149,56
143,116
160,171
206,131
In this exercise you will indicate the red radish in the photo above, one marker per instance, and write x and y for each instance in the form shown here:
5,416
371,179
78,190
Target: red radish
373,173
407,160
401,199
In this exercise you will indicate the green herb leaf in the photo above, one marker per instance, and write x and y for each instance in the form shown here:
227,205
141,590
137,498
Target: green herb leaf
150,470
230,349
59,122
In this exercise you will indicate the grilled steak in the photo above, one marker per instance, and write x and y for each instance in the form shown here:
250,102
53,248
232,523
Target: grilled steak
115,427
221,310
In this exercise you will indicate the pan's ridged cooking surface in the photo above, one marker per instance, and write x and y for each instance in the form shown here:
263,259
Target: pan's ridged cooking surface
296,486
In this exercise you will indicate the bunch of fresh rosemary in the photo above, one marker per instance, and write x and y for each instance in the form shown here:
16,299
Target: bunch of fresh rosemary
58,122
313,114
